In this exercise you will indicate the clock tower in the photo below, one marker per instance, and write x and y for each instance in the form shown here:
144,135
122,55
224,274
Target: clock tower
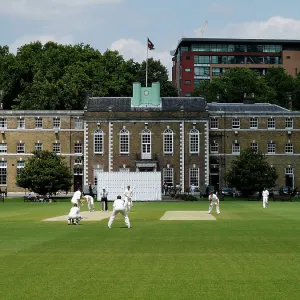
146,96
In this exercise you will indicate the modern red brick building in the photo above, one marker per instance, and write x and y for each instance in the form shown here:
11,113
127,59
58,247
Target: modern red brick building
198,59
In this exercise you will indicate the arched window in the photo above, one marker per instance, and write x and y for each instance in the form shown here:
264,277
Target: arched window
168,141
146,144
194,141
124,141
98,142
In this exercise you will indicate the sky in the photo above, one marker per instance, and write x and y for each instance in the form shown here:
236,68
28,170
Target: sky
124,25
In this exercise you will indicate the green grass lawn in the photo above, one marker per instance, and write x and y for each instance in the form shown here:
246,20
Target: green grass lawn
247,253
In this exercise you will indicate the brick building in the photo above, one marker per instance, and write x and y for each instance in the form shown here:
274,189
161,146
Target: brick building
269,128
186,139
198,59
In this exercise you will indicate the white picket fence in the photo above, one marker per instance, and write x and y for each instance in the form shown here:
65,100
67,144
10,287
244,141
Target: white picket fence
146,186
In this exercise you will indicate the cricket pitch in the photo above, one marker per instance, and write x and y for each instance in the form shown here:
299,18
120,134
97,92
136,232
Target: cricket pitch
187,216
86,215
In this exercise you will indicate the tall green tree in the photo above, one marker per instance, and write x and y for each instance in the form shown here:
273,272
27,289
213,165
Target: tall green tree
157,72
282,83
235,83
251,172
45,173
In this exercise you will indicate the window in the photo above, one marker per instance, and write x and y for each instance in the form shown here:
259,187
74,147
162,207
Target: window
253,123
20,167
289,171
288,57
78,170
78,148
289,148
187,57
21,123
271,147
168,176
20,148
289,123
194,176
168,141
38,123
236,148
214,147
214,123
96,170
187,70
3,148
201,59
124,141
78,123
271,123
194,141
98,142
56,123
38,147
3,172
254,147
3,123
78,161
235,123
56,147
146,144
202,71
187,82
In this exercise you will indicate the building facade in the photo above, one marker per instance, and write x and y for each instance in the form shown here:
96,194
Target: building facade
195,60
269,128
186,139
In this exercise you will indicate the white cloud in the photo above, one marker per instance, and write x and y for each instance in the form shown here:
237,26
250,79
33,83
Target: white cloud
274,28
44,9
137,50
42,38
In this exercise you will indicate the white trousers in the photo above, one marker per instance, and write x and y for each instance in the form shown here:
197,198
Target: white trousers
211,206
128,203
90,204
74,217
75,201
123,213
265,202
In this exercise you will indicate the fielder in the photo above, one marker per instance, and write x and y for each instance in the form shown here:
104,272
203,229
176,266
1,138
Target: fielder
119,207
90,202
74,215
128,198
76,197
214,200
265,195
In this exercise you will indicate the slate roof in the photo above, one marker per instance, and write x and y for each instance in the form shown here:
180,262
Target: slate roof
123,104
257,108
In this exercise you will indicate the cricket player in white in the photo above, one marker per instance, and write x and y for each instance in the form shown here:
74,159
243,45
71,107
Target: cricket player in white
214,200
76,197
119,207
265,196
74,215
128,198
90,202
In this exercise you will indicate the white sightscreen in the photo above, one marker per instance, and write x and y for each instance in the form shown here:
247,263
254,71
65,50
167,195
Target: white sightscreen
146,186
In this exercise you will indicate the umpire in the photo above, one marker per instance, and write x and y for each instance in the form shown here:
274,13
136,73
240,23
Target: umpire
104,200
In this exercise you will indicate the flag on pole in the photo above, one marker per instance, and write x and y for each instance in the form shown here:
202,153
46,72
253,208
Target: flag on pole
150,45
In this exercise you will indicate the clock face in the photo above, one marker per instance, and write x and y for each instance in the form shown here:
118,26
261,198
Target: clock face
146,93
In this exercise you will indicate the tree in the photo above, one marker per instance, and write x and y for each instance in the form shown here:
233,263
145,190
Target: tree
156,73
54,76
251,172
282,83
234,84
45,173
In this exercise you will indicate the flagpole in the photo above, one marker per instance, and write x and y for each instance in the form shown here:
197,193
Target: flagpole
147,64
